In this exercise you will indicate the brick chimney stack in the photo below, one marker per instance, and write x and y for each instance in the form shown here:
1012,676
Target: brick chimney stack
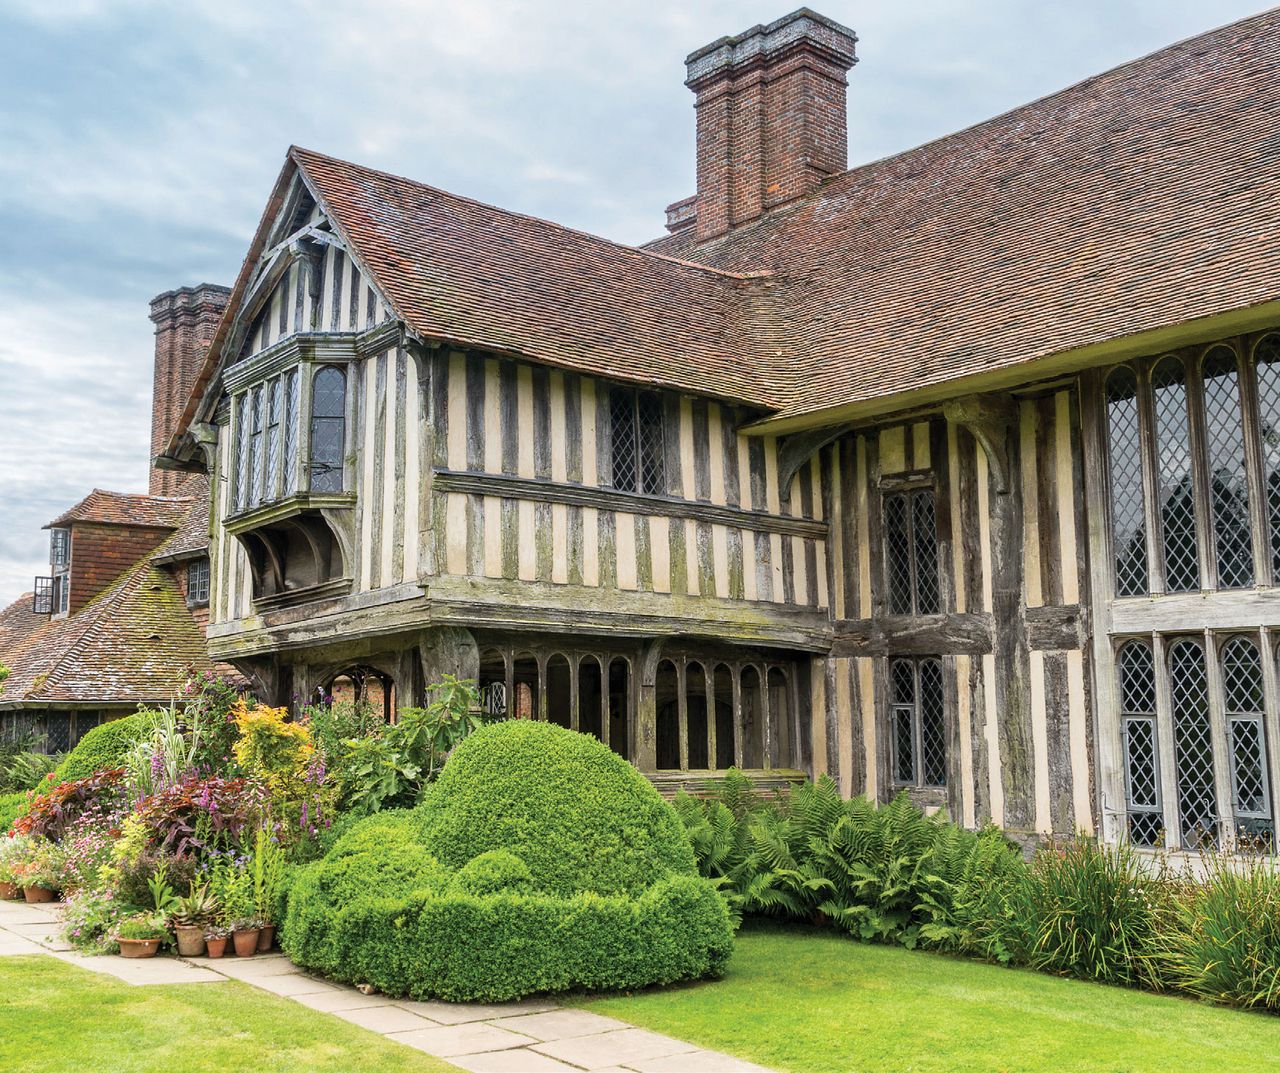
185,321
771,118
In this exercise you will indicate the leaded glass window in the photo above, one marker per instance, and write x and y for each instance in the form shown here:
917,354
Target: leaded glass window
291,433
1128,516
1243,706
918,733
1177,500
255,446
328,429
1141,743
1228,483
59,548
1193,744
275,405
637,441
911,553
1267,353
242,452
198,582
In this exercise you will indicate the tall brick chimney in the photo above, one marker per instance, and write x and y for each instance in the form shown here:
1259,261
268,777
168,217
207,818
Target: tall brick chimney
771,118
185,321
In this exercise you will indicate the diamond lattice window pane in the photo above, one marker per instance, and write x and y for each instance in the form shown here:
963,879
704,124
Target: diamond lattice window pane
1128,518
242,452
904,753
273,435
622,422
1177,488
255,450
1146,828
1141,762
897,539
653,477
1228,485
924,531
1268,356
1137,679
329,393
57,732
933,735
1193,744
1248,761
902,682
291,434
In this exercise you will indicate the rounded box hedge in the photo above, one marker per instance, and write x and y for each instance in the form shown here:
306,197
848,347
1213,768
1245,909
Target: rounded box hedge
540,861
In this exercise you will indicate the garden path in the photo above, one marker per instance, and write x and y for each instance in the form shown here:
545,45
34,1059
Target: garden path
533,1036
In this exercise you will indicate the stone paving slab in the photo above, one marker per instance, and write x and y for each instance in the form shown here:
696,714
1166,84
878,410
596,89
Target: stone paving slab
457,1013
289,985
560,1024
385,1019
143,972
340,999
15,946
695,1062
522,1060
619,1047
446,1041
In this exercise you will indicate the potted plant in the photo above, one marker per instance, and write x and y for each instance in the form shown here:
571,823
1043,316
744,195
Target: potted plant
215,940
234,886
39,875
266,868
190,916
14,850
140,936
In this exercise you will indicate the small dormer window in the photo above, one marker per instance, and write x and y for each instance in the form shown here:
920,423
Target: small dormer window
198,583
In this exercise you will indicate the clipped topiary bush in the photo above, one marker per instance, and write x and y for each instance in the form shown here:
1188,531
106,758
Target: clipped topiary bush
104,747
541,861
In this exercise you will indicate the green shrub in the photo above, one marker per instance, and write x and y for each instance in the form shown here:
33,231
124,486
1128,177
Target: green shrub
104,747
540,861
1224,942
580,816
990,913
11,807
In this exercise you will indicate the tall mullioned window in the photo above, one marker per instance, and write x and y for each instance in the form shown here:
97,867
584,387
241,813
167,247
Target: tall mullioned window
911,552
918,731
328,429
1213,445
1140,737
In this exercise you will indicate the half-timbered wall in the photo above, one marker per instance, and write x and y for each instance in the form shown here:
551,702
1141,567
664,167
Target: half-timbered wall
1007,630
523,484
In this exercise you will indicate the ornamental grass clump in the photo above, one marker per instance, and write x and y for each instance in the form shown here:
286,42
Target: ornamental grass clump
539,861
1224,942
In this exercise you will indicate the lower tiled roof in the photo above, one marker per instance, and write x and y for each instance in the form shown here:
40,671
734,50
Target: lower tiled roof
125,508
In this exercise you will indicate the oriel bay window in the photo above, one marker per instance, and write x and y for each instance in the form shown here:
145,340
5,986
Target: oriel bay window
268,439
1208,693
1194,469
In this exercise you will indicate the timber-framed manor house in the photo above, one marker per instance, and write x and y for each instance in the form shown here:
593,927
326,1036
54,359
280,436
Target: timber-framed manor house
957,472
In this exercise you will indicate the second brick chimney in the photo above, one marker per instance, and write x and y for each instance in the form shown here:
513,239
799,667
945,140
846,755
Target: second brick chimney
185,321
771,118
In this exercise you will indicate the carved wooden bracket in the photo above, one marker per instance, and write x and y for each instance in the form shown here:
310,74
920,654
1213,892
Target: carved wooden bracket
989,418
794,451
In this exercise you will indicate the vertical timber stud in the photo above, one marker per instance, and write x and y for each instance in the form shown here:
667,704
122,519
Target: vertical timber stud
646,737
992,420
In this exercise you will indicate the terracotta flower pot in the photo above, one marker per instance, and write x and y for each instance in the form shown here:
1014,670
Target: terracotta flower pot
190,941
138,948
39,894
9,891
266,938
215,948
245,942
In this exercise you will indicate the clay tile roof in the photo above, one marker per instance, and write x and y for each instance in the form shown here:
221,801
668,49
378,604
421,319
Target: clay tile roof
136,642
121,508
16,623
470,274
192,538
1142,198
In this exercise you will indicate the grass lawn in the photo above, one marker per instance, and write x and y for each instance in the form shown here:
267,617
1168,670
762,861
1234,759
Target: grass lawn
57,1018
816,1002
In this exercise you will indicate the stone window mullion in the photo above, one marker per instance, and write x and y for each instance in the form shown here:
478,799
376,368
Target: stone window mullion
1165,735
1222,762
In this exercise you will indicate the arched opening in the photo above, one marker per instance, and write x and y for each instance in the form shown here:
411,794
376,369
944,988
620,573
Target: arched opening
492,683
752,719
781,751
723,706
620,706
524,704
667,699
590,696
695,692
559,691
362,686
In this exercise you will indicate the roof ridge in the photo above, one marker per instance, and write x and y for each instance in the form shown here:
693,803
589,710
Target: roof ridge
529,216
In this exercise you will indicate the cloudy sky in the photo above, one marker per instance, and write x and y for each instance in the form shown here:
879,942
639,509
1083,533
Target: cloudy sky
139,141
